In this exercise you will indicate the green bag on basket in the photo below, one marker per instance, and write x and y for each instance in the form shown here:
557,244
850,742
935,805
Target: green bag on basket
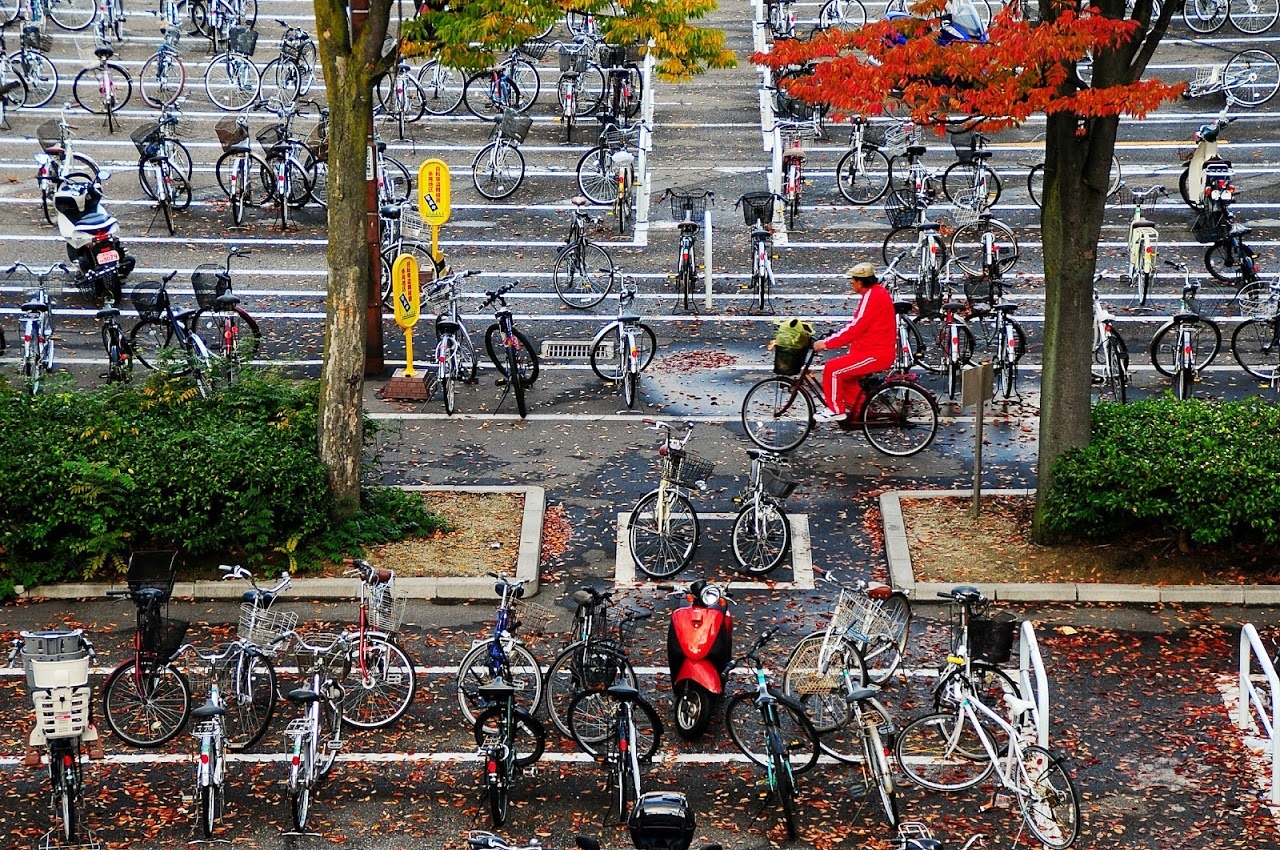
793,334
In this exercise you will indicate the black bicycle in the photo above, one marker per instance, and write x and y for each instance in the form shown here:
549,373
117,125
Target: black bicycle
624,738
509,349
510,739
166,339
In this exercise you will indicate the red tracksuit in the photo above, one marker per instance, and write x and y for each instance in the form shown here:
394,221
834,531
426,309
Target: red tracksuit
871,337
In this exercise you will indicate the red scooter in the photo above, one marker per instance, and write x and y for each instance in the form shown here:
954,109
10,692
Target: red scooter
699,652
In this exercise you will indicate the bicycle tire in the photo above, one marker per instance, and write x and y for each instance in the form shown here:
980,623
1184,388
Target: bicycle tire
248,346
517,666
580,668
118,360
608,368
1164,345
88,94
596,180
281,80
152,344
479,97
73,15
962,175
1050,804
528,81
583,275
931,759
66,788
785,789
849,14
867,186
1204,16
526,360
1183,381
1264,73
235,78
529,740
300,788
383,692
331,722
630,388
760,551
844,743
39,75
820,690
900,419
498,788
1256,347
250,698
662,552
1116,361
749,731
1035,184
883,653
414,102
442,90
966,246
777,414
1252,17
498,170
209,808
986,682
879,773
903,241
149,719
156,84
448,390
1227,260
589,729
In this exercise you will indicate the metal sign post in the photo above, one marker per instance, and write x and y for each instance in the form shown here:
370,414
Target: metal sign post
977,387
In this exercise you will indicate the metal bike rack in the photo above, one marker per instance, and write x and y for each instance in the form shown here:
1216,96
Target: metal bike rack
1251,701
1033,684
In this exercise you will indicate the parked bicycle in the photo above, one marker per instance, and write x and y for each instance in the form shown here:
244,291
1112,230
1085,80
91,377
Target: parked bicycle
509,349
663,527
688,209
35,324
31,67
442,87
1110,354
315,739
624,347
862,175
455,354
395,245
398,97
232,81
583,271
161,167
58,157
792,135
622,741
970,177
242,175
762,531
512,83
757,211
501,656
1248,79
1255,344
211,759
163,77
381,683
498,169
165,339
293,73
109,21
115,343
978,645
606,173
103,89
1143,238
234,334
581,84
1251,17
1186,344
510,740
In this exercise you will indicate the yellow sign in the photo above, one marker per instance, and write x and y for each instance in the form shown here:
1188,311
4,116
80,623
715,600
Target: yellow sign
404,298
433,192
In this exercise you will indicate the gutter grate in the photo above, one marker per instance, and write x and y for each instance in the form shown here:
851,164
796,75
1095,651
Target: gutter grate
572,349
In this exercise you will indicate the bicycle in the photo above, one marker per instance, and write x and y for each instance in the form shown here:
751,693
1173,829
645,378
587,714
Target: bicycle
780,18
606,172
1142,240
455,354
970,177
115,343
232,81
36,325
394,245
382,684
761,531
399,97
1178,349
290,162
13,94
1255,344
509,739
581,85
292,74
502,656
316,737
757,211
109,20
1109,351
57,670
513,83
58,158
898,417
214,19
626,737
1010,343
1249,16
103,89
237,334
1249,78
624,347
850,14
862,175
165,340
954,750
510,350
498,169
240,172
870,623
663,527
583,271
983,246
211,759
596,658
955,343
623,83
688,209
773,731
30,66
442,87
979,644
160,171
792,135
163,77
146,699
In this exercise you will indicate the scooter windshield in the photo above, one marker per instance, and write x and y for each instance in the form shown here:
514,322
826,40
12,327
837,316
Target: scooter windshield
964,15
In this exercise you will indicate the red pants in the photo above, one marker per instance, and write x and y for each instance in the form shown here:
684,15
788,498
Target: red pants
840,377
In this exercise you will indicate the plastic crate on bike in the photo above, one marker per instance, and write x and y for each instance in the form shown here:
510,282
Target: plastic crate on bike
230,133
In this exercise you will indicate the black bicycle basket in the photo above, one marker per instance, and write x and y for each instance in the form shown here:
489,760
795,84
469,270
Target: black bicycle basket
757,208
515,125
693,204
153,569
209,280
991,640
146,138
243,40
164,636
1210,226
965,143
272,135
150,299
686,468
573,59
534,49
34,39
775,483
790,361
897,209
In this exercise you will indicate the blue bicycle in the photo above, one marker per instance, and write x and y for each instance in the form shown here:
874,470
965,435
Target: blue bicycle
500,657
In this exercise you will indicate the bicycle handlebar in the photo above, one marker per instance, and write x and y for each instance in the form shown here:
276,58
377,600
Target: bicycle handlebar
493,295
367,572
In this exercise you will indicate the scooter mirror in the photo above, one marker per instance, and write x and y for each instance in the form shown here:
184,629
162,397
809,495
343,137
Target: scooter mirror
104,175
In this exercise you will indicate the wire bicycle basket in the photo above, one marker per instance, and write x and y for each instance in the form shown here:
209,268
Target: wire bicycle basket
149,299
230,133
49,135
386,609
322,660
34,39
573,58
682,203
209,280
775,483
969,206
243,40
899,212
261,627
534,49
146,138
615,139
514,126
991,640
686,468
757,208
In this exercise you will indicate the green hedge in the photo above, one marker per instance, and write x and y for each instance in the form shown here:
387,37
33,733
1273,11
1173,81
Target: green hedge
1208,470
88,476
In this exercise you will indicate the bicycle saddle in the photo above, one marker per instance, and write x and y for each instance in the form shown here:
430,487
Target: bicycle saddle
1180,318
381,146
258,598
103,52
226,301
929,225
149,595
579,201
686,225
630,318
756,454
107,313
446,326
964,592
209,709
1142,222
183,315
1240,229
916,150
980,154
1005,308
902,308
623,693
496,690
588,596
859,694
302,695
391,211
955,306
35,307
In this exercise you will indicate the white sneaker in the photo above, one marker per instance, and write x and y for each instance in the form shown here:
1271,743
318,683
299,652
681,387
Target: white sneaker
825,415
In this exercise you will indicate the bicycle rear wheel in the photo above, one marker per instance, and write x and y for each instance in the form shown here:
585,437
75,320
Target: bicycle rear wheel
40,76
73,15
961,176
1206,341
380,686
303,777
900,419
498,170
162,80
583,275
1251,78
1048,799
785,789
146,707
882,654
661,547
441,88
761,537
777,415
1252,17
750,731
862,176
248,685
1256,347
596,178
64,766
484,663
879,774
820,689
584,667
967,246
232,82
528,738
931,752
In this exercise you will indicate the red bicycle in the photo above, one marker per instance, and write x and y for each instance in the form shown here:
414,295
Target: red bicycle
381,683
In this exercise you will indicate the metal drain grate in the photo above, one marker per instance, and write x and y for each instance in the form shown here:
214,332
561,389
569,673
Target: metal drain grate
573,349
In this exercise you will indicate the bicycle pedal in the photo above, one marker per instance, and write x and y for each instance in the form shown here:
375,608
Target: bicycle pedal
530,771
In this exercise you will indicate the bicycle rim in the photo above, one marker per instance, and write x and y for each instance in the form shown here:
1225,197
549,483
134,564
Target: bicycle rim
380,687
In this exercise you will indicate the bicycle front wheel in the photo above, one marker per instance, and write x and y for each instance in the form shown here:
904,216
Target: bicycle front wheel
581,668
962,176
610,368
527,366
498,170
820,688
596,178
1204,16
931,752
232,82
102,91
777,414
146,705
73,15
39,74
663,537
528,739
969,248
1252,17
1206,340
583,275
380,686
485,663
882,654
845,14
162,80
1048,799
761,537
248,686
862,175
784,787
903,242
1256,347
750,727
900,419
1251,78
1226,260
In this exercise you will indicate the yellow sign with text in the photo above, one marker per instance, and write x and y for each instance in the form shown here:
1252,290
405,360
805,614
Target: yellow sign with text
433,192
405,300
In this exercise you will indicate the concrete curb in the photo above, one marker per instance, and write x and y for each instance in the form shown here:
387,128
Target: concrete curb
902,575
443,588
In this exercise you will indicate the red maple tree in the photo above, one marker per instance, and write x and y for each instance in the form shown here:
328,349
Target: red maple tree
1027,66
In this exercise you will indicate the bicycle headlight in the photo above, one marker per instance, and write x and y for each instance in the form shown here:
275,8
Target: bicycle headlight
711,596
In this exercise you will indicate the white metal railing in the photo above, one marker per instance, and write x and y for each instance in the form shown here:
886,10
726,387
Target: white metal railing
1033,684
1251,699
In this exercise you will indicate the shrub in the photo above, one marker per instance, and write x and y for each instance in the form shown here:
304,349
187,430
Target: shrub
1206,469
88,476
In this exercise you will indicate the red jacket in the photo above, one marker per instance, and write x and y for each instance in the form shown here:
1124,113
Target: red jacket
872,330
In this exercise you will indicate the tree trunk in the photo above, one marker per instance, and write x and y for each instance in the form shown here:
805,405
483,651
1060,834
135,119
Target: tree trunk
1077,168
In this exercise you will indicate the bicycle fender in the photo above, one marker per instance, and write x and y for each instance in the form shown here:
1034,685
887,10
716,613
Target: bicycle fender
602,333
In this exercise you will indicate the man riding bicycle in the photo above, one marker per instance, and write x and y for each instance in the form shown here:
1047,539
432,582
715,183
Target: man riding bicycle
871,336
